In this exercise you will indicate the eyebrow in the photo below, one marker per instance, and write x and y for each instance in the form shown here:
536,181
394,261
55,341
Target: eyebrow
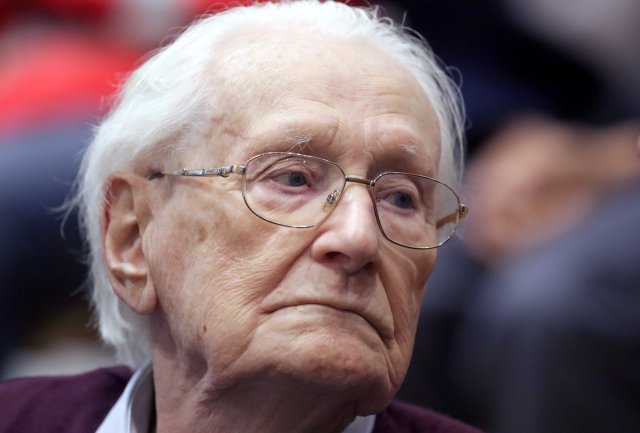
299,142
415,156
409,149
301,138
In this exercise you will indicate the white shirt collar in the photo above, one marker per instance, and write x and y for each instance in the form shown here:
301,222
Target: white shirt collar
131,413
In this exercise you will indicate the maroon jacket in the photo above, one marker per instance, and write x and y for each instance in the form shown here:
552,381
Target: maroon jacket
79,404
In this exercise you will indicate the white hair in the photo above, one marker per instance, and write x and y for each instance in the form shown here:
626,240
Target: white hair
166,100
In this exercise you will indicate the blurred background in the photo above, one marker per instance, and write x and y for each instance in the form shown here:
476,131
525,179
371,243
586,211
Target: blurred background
60,63
531,321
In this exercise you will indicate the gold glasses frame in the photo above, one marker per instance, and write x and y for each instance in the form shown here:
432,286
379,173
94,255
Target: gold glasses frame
333,198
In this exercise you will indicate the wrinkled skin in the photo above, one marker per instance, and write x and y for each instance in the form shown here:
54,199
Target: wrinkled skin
320,320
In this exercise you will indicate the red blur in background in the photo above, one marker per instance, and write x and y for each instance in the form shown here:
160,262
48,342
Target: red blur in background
64,58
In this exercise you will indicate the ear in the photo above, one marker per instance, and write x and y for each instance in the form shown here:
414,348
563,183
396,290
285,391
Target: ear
126,214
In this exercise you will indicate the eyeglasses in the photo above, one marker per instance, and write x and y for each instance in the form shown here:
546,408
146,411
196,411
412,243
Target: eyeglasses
300,191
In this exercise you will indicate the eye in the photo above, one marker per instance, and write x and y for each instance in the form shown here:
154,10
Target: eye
292,179
291,175
401,200
397,193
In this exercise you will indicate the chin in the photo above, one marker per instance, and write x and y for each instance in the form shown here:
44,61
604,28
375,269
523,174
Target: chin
342,365
336,356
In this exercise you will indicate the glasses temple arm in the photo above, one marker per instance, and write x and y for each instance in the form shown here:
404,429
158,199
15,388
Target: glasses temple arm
202,172
460,213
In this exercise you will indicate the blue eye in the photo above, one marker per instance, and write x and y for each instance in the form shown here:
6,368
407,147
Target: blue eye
292,179
401,200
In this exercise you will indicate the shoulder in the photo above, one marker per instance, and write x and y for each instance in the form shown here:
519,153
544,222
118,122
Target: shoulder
70,404
401,417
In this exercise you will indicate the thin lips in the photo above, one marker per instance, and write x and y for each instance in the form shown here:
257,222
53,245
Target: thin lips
336,306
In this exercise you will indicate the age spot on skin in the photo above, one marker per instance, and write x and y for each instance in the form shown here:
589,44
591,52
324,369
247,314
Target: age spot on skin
200,336
202,234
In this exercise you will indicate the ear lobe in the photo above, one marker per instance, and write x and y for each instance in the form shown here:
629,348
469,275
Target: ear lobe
126,214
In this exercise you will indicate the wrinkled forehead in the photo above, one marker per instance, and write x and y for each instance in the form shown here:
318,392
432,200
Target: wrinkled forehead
277,80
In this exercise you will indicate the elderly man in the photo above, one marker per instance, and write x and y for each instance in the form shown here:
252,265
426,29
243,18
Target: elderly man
262,209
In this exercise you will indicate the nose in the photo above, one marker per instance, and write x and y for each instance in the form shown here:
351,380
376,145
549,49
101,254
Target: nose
349,238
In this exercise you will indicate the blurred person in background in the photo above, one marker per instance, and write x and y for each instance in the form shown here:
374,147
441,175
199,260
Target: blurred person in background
531,321
550,343
281,293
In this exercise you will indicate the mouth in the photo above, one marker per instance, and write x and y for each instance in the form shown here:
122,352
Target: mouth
336,310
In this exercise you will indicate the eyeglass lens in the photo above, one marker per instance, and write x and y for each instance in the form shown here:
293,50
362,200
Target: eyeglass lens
299,191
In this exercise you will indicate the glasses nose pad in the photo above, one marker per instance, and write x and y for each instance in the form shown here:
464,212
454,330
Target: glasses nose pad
332,198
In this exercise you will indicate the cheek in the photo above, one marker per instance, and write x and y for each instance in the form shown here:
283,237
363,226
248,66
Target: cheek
407,280
405,294
213,269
